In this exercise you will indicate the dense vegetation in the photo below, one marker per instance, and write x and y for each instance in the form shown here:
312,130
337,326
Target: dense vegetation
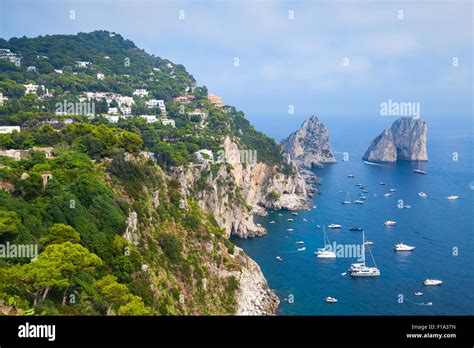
73,194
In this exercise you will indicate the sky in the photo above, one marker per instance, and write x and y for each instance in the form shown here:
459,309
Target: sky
282,61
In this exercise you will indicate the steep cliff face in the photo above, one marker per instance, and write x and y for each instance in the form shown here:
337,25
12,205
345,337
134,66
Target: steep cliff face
235,191
309,146
405,140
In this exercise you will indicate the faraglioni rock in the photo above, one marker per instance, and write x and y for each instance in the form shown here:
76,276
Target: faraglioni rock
309,146
405,140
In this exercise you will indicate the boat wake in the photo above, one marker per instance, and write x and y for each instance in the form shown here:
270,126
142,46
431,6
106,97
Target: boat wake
374,164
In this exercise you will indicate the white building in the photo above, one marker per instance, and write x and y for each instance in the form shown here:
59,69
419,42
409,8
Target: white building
112,118
157,103
126,111
58,71
198,112
149,118
113,111
100,76
31,68
2,99
204,156
31,88
9,129
82,64
168,122
124,101
5,53
141,93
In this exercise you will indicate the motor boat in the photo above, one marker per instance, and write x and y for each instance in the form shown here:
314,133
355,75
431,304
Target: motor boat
392,190
368,242
359,201
389,223
334,226
350,176
290,220
418,293
330,299
279,258
272,222
290,229
358,229
403,247
432,282
300,242
452,197
302,249
422,195
381,183
388,194
294,213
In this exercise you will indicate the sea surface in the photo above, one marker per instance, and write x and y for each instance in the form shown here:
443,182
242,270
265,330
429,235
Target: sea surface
441,230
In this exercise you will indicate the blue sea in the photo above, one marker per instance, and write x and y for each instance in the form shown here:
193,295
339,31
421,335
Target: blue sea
441,230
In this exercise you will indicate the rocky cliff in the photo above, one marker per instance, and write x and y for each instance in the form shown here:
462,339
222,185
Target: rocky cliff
404,140
234,192
309,146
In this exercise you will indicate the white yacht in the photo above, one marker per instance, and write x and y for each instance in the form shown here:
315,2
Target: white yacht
302,249
403,247
272,222
389,223
325,253
290,229
418,293
361,269
279,258
334,226
432,282
346,200
290,220
330,299
392,190
381,183
388,194
359,201
300,242
452,197
422,194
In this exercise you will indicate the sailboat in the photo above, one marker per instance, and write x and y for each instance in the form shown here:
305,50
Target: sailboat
347,200
418,170
361,269
325,253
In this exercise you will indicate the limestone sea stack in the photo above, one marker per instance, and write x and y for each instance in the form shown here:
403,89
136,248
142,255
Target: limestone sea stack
309,146
405,140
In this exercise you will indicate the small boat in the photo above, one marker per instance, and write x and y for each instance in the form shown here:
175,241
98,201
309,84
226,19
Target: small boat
334,226
359,201
359,185
300,242
314,207
422,194
381,183
302,249
358,229
368,242
279,258
388,194
318,226
305,220
330,299
392,190
326,252
365,191
291,220
350,176
280,214
290,229
418,293
362,198
452,197
403,247
294,213
272,222
418,170
432,282
346,200
389,223
406,206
